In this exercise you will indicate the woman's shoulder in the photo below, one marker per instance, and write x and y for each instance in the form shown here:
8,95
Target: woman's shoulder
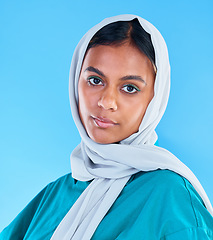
66,183
159,181
175,200
158,205
162,176
165,182
65,179
59,194
168,186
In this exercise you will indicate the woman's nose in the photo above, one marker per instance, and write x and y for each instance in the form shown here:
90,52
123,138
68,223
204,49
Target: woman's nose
108,100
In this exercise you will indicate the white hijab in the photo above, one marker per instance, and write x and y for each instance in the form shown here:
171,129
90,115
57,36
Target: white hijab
111,165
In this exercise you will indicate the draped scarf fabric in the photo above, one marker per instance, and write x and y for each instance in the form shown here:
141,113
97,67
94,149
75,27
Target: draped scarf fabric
110,166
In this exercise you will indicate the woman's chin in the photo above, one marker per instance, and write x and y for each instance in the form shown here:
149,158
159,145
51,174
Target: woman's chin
104,139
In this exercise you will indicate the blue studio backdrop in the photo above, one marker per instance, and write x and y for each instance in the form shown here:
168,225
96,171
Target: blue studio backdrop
37,133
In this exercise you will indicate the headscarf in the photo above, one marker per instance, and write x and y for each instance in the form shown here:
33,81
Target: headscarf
110,166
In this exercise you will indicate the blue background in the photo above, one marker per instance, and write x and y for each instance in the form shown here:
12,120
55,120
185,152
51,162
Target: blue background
37,133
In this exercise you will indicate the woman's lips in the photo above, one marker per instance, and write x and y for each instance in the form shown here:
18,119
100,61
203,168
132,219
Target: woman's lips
104,122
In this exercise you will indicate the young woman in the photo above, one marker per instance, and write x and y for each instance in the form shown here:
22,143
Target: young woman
122,186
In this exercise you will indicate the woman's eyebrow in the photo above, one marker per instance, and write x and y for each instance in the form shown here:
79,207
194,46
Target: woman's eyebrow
133,77
95,70
128,77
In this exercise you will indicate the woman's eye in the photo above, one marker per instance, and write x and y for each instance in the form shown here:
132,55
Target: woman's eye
95,81
130,89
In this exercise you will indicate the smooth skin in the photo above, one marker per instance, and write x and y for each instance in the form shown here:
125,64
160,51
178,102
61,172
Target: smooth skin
116,84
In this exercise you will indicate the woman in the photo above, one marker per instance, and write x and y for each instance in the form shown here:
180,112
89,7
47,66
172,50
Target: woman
122,186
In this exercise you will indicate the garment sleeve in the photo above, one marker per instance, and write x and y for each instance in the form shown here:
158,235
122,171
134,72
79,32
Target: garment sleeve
195,233
17,229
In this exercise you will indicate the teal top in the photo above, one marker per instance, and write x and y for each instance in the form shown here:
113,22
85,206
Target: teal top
155,205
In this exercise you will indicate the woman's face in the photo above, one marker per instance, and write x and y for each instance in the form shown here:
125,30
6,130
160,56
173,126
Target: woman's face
116,84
